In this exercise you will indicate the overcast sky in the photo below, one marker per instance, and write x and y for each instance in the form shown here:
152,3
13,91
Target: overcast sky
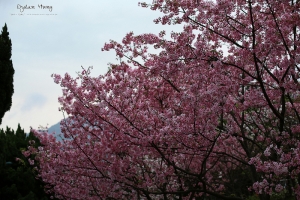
62,39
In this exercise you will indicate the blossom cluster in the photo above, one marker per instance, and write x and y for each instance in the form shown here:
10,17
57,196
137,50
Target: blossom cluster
214,113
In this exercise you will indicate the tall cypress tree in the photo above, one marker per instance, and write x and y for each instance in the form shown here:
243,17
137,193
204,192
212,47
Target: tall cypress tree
6,73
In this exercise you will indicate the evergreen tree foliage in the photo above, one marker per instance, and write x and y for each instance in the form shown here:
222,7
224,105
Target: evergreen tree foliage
6,73
18,177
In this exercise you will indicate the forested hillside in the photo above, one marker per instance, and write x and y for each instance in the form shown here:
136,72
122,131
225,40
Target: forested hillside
17,176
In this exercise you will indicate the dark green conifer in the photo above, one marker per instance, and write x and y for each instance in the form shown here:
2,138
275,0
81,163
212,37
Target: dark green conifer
6,73
18,178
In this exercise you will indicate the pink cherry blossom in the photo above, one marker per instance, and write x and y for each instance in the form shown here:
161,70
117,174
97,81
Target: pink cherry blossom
214,112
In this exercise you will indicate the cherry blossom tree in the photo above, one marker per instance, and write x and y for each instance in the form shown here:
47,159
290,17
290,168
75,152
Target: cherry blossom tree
213,114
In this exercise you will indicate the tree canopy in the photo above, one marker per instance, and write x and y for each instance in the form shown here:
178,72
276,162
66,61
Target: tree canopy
213,115
18,178
6,73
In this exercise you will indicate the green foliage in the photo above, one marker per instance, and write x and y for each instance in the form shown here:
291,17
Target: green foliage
18,177
6,73
254,197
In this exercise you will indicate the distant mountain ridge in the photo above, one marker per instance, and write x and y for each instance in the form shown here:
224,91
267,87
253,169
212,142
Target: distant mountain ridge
56,129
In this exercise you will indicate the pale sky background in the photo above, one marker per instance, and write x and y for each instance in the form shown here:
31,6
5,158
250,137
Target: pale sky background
70,37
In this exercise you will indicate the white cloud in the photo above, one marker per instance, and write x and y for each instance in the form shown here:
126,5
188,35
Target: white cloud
33,101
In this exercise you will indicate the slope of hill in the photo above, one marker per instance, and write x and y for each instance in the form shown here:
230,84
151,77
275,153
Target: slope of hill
56,129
